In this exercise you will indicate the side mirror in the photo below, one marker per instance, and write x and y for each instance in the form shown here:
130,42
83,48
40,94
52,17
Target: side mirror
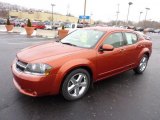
106,47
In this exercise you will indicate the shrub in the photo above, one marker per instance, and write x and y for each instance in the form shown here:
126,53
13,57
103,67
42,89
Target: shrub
8,22
63,27
29,23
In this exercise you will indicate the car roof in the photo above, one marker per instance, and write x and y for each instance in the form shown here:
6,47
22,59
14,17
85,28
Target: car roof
108,29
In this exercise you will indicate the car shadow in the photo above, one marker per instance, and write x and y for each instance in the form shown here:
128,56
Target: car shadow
120,81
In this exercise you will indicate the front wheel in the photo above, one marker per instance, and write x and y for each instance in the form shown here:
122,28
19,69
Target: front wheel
76,84
142,65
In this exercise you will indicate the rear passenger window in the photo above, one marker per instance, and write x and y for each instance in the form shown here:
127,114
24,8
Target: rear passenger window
115,39
131,38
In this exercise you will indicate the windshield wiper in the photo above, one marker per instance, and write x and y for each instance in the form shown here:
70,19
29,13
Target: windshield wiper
68,43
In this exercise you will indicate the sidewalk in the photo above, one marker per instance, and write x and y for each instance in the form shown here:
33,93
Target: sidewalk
38,32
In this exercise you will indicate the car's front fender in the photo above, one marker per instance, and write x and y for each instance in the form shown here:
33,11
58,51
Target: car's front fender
69,66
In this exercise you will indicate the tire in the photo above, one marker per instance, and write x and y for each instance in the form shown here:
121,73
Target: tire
142,65
76,84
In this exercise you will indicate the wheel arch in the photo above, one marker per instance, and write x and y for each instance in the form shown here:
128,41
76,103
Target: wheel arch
147,53
70,66
144,51
87,68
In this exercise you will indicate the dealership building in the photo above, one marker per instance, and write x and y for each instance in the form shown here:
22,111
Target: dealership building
43,16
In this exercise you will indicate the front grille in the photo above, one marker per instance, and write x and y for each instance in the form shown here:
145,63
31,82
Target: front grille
21,66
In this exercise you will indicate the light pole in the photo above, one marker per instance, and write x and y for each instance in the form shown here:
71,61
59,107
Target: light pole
52,12
68,7
117,15
84,12
130,3
146,16
90,18
146,13
140,16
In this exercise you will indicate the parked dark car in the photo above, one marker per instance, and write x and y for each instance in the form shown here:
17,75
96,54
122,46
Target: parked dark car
131,27
2,21
79,25
149,30
139,29
57,25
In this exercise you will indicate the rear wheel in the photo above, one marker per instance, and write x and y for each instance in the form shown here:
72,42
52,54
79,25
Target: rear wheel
142,65
76,84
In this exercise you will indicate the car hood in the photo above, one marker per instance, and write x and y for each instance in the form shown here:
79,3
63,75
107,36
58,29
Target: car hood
46,50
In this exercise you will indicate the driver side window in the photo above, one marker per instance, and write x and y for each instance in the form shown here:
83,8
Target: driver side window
115,39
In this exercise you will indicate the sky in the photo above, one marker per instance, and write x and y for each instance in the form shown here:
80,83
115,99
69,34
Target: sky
104,10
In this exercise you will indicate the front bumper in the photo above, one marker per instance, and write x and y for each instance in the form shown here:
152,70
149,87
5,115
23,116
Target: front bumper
33,85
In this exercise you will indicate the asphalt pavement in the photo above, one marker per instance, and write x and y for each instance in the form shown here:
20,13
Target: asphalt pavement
126,96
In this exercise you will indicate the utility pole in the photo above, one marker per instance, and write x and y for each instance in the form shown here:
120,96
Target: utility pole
130,3
68,7
140,16
146,16
90,18
146,13
52,12
84,12
117,15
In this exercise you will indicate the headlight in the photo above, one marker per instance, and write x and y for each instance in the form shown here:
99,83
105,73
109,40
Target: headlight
38,69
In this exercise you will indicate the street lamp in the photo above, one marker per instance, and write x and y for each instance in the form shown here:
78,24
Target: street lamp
140,16
117,15
52,12
68,7
84,12
130,3
90,18
146,13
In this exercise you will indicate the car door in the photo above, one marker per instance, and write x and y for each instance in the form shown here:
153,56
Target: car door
111,62
131,48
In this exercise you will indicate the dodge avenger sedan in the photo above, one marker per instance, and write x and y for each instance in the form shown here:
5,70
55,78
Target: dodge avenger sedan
85,56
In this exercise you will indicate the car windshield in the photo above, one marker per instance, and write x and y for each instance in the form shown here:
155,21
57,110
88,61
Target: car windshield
83,38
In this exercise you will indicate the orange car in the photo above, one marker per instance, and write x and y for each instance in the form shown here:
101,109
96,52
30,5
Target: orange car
83,57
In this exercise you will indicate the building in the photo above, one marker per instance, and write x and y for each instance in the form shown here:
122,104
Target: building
42,16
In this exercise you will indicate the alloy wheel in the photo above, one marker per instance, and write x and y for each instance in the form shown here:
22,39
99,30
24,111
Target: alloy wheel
143,64
77,85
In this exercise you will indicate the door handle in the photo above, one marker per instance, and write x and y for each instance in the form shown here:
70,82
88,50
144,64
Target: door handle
140,45
121,50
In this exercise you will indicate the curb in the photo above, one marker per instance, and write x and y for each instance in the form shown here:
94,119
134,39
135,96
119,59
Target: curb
33,35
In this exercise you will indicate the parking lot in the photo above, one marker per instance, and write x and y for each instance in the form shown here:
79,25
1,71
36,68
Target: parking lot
126,96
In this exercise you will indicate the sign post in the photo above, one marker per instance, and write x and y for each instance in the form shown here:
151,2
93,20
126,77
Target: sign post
84,19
